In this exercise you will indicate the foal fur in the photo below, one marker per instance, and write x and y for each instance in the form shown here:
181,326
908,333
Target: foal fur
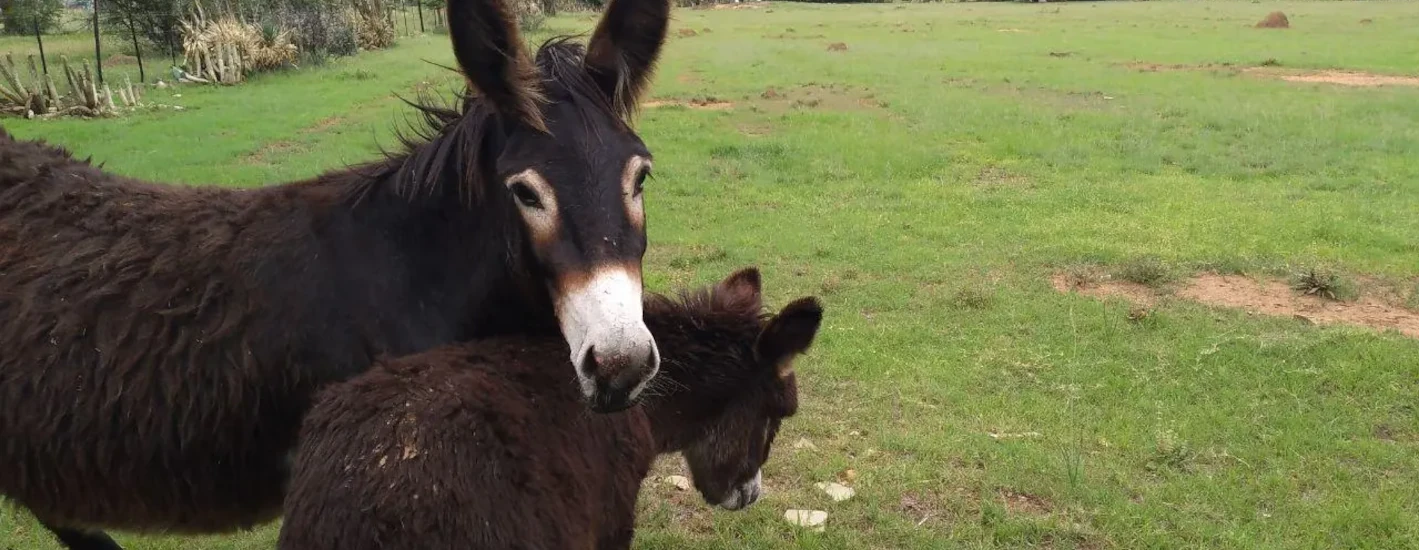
481,445
159,344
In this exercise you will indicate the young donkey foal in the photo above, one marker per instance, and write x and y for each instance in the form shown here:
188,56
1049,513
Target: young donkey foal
159,344
482,445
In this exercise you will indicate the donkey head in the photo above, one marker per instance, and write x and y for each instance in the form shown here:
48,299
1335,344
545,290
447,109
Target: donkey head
726,458
564,156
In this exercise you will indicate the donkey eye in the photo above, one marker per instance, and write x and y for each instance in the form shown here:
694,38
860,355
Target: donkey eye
640,182
525,196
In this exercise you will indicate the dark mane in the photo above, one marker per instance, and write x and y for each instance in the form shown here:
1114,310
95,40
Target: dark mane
448,140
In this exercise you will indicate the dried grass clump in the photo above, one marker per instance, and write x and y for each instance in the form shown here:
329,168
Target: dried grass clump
224,50
37,96
373,30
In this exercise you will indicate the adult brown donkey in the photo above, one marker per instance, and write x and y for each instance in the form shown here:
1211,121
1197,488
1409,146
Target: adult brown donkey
160,344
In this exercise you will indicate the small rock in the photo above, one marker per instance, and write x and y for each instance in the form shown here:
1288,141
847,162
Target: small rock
835,491
177,95
812,519
679,482
804,443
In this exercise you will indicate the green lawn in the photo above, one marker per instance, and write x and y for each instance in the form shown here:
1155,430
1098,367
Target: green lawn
926,183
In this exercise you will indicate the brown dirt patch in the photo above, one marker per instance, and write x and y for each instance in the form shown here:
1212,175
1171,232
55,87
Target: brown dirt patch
120,59
324,124
1269,69
1274,20
281,147
698,103
995,177
686,33
1256,296
688,78
837,47
1271,297
1025,503
1342,78
832,97
1366,21
1104,288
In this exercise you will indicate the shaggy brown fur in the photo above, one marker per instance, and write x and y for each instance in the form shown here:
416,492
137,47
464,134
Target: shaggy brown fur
483,446
159,344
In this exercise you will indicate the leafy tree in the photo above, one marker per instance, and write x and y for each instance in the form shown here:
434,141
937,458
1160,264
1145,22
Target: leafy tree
21,16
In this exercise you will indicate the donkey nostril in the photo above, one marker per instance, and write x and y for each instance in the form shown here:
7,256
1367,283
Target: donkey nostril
588,364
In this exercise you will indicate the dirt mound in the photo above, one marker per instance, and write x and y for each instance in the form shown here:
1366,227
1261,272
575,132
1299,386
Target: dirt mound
829,97
1274,20
686,33
1257,296
837,47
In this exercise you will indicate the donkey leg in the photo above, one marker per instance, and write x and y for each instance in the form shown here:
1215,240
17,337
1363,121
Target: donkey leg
75,539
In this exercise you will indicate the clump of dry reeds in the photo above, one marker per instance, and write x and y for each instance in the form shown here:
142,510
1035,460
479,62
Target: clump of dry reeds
225,49
37,95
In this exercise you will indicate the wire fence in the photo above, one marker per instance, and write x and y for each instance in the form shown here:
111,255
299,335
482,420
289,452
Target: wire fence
130,48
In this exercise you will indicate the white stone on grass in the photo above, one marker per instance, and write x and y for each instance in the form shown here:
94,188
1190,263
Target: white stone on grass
836,491
811,519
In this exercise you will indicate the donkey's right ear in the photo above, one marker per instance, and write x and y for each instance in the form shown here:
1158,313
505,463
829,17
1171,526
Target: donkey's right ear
490,52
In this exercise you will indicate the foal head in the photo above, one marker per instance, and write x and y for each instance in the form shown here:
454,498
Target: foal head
555,144
734,369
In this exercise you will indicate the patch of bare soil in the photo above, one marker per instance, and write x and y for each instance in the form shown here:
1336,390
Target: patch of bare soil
837,47
324,124
262,155
995,177
686,33
699,103
1025,503
1256,296
120,59
688,78
1269,69
1271,297
1274,20
1342,78
832,97
1104,288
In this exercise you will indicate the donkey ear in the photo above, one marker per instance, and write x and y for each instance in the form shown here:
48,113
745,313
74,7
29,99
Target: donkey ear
622,52
490,51
741,291
789,333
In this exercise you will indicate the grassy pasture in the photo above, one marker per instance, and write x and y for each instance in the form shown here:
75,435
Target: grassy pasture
926,182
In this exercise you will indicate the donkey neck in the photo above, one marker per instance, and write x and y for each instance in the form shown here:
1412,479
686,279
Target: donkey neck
456,265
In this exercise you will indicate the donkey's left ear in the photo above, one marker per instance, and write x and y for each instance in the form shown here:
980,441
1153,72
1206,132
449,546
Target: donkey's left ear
789,333
621,55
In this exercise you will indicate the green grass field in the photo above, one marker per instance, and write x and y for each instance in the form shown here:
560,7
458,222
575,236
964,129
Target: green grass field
926,183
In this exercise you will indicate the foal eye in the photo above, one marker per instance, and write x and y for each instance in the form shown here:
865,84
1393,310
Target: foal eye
525,196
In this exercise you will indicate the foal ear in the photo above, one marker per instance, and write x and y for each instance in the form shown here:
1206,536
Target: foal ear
789,333
741,291
490,51
622,52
